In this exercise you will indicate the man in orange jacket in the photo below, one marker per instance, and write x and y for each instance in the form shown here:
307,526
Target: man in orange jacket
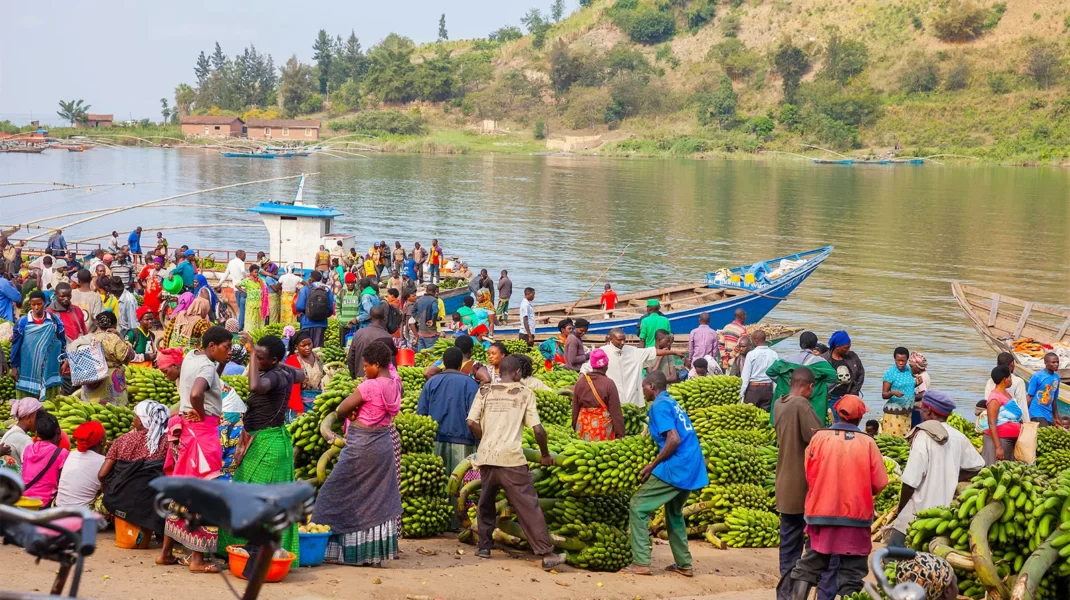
844,471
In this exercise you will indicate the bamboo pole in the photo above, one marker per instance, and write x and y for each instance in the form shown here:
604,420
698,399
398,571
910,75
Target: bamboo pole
595,282
73,187
176,196
6,183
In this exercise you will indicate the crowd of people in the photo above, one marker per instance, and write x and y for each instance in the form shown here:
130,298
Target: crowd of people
157,309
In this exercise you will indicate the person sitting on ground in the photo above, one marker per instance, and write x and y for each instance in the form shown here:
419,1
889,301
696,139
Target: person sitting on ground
43,460
79,484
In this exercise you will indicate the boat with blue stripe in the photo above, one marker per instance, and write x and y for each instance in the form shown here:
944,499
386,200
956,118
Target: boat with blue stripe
756,288
249,154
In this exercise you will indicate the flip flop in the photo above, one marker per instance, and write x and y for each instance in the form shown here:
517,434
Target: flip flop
207,567
631,569
164,562
675,569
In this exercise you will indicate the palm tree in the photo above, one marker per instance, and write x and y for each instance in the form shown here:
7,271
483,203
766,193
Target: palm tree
184,97
74,111
165,111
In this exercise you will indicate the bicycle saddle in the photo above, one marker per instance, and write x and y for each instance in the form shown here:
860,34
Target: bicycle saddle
252,511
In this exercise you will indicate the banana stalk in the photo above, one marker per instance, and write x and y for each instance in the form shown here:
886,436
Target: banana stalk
984,566
325,459
941,546
462,502
505,538
695,531
711,537
697,508
453,487
326,426
1038,563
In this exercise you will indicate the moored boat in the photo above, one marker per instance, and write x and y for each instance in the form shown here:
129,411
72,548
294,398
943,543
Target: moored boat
23,149
1004,320
834,161
248,154
756,288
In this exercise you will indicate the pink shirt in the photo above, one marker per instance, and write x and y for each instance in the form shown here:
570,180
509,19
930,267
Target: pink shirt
34,459
382,400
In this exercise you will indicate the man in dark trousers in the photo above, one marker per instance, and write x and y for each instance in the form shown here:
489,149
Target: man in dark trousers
366,336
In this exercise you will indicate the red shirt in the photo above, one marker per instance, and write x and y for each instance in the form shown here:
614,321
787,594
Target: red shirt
73,322
609,299
844,470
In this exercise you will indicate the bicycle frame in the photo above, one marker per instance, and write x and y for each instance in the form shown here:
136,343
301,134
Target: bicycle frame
79,545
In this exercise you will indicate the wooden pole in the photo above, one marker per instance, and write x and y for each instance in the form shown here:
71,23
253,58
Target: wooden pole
72,187
595,282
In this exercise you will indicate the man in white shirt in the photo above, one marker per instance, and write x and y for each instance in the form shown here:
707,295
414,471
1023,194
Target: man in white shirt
232,276
1018,387
940,457
78,482
527,317
757,387
626,364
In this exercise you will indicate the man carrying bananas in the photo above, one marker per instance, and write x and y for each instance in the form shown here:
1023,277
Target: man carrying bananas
678,469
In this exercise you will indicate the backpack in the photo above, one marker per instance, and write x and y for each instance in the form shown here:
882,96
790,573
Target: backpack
393,318
318,304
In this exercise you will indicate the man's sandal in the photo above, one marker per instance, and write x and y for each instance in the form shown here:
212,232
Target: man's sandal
685,572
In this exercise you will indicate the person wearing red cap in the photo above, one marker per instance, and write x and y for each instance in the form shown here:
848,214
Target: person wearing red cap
348,306
78,481
844,471
142,339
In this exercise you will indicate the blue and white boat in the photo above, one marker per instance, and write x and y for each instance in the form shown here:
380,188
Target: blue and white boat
756,288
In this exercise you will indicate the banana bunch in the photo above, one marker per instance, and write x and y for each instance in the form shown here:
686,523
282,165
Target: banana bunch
516,346
606,548
546,482
634,419
5,409
422,475
308,444
72,412
722,499
703,392
729,462
409,401
1052,515
559,378
7,388
708,422
338,389
274,329
611,510
749,528
1054,462
751,437
599,468
417,433
330,354
893,447
424,516
888,498
144,383
426,357
553,408
240,383
1052,438
331,337
412,379
968,429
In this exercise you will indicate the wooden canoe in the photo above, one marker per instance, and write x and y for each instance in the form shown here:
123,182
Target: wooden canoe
1003,319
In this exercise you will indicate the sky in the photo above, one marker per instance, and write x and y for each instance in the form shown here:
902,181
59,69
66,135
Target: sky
122,56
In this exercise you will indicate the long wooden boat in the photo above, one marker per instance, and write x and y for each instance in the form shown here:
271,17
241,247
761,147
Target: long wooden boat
1003,319
833,161
23,149
683,303
249,154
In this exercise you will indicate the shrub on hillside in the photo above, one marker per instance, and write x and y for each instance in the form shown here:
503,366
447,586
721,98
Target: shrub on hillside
730,25
999,83
789,116
855,105
645,25
698,14
735,58
761,127
958,76
586,107
826,130
792,62
961,22
844,57
1042,64
921,74
719,106
382,121
540,130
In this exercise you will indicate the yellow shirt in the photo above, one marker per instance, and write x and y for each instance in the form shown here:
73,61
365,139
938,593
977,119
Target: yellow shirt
369,268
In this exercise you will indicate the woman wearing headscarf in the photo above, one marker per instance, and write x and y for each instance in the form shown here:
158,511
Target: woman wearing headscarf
169,361
301,357
850,374
19,437
37,341
149,280
918,365
201,289
287,292
596,412
79,484
932,573
185,329
256,299
117,353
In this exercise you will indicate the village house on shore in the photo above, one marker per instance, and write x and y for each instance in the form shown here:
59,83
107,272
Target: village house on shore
257,129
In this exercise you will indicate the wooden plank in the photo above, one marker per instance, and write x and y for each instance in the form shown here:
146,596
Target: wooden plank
1063,330
1022,320
993,311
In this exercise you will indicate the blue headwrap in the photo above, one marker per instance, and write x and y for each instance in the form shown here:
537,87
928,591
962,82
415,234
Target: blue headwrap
939,402
199,282
839,338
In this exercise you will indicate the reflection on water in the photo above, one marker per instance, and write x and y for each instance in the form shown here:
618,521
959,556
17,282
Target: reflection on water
902,233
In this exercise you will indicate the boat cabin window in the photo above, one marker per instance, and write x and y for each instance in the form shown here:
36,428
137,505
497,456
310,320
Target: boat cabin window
327,227
308,133
288,218
285,131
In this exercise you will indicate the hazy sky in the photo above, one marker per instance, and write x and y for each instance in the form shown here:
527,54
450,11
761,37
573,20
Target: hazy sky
122,56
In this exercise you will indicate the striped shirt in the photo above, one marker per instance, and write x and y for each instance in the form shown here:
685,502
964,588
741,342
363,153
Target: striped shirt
348,305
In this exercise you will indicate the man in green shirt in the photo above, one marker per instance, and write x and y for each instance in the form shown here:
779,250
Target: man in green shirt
347,306
652,322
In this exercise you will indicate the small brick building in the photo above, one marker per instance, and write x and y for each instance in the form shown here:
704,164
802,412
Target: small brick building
96,121
208,126
283,130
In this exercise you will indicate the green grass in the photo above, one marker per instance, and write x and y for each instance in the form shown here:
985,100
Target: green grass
446,141
126,136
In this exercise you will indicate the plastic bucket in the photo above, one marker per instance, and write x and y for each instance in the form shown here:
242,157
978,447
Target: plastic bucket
313,549
278,570
406,357
126,535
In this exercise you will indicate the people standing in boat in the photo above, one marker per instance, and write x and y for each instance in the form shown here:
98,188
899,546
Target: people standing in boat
730,337
898,392
419,255
1016,389
850,374
608,301
323,260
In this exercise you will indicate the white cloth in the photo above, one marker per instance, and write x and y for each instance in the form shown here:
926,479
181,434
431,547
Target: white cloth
1017,391
17,440
289,282
46,279
626,370
754,367
78,483
933,471
234,273
527,310
127,313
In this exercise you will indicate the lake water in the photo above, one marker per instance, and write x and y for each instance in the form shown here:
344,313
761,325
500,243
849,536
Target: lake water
902,233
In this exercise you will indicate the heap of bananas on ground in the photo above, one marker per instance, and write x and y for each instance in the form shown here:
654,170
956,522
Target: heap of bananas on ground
144,383
634,419
423,495
412,379
893,447
1010,528
417,433
701,392
559,377
274,329
747,528
554,409
1050,439
72,412
7,388
426,357
713,422
240,383
313,458
5,411
732,462
967,428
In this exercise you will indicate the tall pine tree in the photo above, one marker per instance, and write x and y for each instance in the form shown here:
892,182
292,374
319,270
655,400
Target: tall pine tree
219,60
202,69
356,64
321,53
442,34
557,10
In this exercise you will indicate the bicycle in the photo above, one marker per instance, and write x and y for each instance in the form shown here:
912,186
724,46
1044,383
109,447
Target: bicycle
903,591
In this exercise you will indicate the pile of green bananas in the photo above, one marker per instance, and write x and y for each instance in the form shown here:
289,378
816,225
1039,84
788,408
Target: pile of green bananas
599,468
412,379
1052,514
888,498
611,510
331,337
749,528
606,548
274,329
417,433
422,475
553,408
426,357
409,401
308,444
144,383
7,388
1050,439
5,410
722,499
424,516
968,429
634,419
338,389
559,378
331,354
750,437
731,417
516,346
729,462
558,437
701,392
893,447
240,383
72,412
1054,462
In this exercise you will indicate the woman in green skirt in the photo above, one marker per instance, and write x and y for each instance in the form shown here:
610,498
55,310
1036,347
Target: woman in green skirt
268,456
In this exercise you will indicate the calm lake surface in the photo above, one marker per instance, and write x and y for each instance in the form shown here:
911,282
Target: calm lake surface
902,233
